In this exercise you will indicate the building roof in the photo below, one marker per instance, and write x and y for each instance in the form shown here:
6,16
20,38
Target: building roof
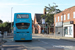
65,10
38,17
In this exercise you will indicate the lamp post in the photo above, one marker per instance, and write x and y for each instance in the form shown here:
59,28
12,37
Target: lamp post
55,7
55,13
11,19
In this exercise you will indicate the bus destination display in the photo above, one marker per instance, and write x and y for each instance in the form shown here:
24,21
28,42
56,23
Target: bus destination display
22,16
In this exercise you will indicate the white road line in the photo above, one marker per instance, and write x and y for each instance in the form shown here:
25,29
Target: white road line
42,41
2,48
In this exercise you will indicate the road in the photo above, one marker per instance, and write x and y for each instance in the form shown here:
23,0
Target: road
39,43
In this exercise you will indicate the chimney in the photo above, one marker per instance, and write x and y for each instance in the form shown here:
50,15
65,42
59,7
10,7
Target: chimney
44,10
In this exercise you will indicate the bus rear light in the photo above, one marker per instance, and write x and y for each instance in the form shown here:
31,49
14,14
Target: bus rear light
22,23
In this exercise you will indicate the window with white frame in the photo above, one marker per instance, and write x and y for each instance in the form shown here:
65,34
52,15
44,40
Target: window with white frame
55,19
61,18
58,18
68,15
73,14
64,17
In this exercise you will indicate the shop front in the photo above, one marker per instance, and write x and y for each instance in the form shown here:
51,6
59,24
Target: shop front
59,29
68,29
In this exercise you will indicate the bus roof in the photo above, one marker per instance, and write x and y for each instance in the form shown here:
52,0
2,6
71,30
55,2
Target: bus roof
22,13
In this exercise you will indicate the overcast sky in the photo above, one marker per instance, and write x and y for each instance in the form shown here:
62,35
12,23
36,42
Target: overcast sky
31,6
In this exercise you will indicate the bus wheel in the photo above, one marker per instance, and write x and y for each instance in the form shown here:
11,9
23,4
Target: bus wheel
15,40
30,40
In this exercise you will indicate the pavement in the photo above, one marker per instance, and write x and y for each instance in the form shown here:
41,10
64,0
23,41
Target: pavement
14,47
8,37
56,37
2,42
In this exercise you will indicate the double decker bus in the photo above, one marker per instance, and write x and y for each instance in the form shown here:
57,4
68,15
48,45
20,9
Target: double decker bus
22,27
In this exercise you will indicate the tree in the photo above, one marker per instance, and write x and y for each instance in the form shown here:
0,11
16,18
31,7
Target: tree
50,11
49,19
1,21
5,27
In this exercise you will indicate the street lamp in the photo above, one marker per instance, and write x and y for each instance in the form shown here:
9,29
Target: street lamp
55,7
11,19
55,12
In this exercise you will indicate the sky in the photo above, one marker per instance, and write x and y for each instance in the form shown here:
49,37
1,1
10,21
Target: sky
29,6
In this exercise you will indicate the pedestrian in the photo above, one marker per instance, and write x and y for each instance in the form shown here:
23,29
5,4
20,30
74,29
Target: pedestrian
43,31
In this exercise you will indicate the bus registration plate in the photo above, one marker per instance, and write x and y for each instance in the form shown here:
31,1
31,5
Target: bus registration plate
22,38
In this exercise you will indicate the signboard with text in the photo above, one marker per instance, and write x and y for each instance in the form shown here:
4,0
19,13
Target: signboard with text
59,24
43,21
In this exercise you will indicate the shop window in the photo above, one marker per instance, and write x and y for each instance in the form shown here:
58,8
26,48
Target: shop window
61,18
66,30
55,19
70,30
68,15
58,18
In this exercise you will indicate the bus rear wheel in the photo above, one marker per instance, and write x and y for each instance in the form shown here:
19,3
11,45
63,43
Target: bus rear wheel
16,41
30,40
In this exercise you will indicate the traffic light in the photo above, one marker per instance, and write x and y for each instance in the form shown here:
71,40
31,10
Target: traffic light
46,25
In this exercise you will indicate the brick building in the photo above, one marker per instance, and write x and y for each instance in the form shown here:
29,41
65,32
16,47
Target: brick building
39,27
37,22
64,23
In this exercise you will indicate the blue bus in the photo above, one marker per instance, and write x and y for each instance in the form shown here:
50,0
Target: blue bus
22,27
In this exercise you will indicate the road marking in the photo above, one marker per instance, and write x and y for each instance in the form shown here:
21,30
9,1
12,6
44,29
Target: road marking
61,46
42,41
2,48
